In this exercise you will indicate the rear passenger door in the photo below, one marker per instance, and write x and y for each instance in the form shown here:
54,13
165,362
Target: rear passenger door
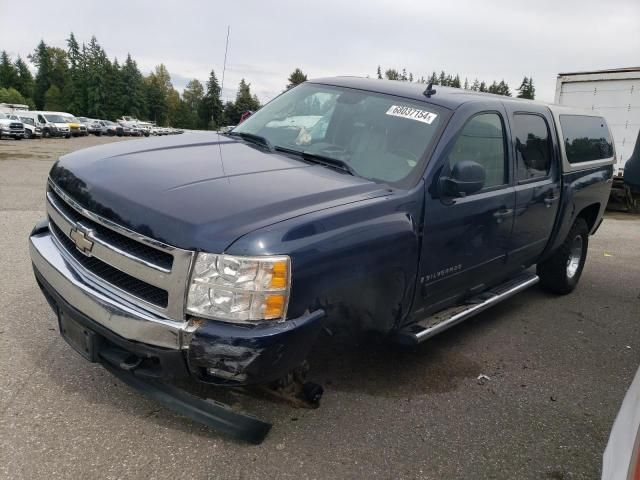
537,182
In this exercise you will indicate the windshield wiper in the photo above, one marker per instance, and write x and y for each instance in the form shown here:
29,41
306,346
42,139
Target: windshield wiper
320,159
253,138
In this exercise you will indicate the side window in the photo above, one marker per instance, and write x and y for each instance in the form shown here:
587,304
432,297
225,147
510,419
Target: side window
482,141
41,119
533,146
585,138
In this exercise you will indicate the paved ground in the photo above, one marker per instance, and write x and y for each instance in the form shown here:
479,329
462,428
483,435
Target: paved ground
558,368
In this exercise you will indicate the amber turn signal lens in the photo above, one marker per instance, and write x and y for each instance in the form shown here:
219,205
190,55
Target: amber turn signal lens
279,275
274,306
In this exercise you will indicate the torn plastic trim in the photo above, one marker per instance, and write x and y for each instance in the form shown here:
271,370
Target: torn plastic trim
213,414
248,355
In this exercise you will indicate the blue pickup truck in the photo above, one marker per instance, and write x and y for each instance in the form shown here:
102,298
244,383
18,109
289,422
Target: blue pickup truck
351,203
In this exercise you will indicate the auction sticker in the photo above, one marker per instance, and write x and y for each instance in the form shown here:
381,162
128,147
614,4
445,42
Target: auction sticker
412,113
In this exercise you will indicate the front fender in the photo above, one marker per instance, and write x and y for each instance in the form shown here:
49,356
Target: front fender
358,262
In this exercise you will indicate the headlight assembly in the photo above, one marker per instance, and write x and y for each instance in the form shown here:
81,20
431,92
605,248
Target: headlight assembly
240,289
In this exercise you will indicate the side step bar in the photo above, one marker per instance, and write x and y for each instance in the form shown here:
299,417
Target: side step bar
438,322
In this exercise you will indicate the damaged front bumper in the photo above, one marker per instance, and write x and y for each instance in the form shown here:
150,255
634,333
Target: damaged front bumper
151,347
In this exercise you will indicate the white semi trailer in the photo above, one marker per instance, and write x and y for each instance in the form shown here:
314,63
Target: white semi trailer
615,94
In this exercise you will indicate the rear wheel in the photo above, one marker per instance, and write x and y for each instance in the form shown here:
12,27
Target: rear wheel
561,272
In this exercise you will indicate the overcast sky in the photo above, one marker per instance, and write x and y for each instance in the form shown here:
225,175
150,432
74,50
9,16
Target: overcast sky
476,38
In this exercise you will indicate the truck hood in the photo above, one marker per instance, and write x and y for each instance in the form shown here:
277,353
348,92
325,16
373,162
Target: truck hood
201,191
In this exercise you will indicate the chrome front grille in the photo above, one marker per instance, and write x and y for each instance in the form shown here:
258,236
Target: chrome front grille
142,270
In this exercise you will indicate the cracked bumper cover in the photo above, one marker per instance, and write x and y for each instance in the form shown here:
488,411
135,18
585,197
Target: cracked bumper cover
211,352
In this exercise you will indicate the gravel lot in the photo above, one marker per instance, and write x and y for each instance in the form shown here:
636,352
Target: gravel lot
558,368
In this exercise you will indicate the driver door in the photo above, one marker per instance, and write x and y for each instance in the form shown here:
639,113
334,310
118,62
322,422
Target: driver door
466,238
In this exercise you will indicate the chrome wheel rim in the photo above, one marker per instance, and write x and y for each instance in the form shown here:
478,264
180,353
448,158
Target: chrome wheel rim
575,254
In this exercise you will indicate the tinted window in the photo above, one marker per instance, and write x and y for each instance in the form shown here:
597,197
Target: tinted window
482,141
585,138
533,146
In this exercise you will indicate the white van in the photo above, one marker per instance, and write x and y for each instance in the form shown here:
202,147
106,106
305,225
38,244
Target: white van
53,124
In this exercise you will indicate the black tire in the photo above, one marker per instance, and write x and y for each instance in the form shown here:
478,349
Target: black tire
27,133
561,272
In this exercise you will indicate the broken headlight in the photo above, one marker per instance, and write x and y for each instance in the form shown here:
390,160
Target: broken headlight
239,289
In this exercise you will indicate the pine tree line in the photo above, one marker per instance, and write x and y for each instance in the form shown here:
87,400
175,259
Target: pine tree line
82,80
526,89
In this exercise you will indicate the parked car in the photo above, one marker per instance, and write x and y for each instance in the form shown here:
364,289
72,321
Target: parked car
145,129
11,128
53,124
78,129
31,129
112,128
397,210
97,128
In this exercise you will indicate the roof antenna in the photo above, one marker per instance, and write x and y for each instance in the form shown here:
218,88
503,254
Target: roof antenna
429,91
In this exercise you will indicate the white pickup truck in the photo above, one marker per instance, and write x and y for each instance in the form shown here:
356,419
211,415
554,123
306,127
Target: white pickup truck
11,128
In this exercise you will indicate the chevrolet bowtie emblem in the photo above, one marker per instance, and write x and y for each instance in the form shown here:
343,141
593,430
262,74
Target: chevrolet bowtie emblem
80,237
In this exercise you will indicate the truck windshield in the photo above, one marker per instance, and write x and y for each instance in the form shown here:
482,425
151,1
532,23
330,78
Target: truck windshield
55,118
380,137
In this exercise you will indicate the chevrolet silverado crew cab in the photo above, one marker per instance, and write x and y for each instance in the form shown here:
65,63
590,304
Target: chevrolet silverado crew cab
365,204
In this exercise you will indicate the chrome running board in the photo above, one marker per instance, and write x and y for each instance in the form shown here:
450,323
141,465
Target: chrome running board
444,319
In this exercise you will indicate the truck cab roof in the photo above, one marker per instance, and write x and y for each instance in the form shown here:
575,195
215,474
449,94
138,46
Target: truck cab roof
447,97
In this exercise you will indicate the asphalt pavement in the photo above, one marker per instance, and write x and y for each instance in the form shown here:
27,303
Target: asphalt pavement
557,368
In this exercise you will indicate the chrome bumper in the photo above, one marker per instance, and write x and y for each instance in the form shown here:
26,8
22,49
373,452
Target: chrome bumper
122,318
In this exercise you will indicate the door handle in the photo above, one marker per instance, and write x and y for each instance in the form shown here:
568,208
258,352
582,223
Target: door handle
501,214
548,201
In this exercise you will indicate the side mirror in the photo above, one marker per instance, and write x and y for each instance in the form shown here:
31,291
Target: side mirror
467,177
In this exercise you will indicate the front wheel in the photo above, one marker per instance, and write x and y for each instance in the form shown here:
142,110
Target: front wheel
27,134
561,272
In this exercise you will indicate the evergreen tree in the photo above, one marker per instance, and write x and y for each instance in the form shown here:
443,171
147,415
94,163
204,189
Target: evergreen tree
53,99
442,80
526,89
192,97
296,78
52,70
482,87
476,85
175,110
503,89
212,109
433,79
134,100
379,73
410,77
98,74
392,74
8,72
42,60
532,89
456,82
466,83
158,86
245,101
25,79
75,89
403,76
231,114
